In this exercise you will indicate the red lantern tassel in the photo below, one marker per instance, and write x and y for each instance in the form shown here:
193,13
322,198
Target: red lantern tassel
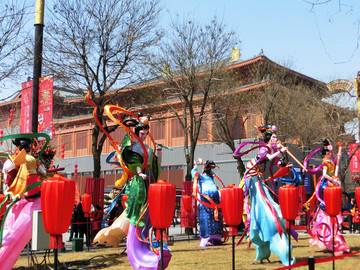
158,234
233,231
333,220
56,241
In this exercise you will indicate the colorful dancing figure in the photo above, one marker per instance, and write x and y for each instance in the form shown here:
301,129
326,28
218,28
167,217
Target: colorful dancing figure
141,165
320,227
18,222
208,197
266,223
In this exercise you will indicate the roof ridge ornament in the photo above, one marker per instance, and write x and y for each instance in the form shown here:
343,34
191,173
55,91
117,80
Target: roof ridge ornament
235,54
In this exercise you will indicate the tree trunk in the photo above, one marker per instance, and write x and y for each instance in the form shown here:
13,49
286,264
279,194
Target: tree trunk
97,164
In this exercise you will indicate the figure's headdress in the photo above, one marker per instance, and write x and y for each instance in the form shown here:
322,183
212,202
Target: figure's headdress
267,131
326,146
208,166
23,143
141,123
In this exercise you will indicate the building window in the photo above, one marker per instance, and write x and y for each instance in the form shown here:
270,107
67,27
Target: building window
157,129
176,129
67,141
178,167
252,132
81,140
203,133
118,134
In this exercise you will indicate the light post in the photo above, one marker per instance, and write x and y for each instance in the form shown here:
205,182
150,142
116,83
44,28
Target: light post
39,29
357,89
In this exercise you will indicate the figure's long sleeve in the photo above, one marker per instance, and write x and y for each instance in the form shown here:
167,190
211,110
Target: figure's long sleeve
194,171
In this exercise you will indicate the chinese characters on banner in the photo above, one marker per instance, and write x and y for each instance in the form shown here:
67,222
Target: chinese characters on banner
45,109
26,100
355,160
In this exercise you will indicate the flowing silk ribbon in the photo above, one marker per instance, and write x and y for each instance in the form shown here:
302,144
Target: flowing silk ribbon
211,203
254,171
271,207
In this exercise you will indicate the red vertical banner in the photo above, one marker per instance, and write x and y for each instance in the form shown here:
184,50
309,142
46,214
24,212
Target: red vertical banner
45,116
95,187
45,109
26,100
355,160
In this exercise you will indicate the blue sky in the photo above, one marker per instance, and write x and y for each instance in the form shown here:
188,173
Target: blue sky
319,41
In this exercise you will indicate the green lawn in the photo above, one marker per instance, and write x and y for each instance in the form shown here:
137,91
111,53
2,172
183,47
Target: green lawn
187,255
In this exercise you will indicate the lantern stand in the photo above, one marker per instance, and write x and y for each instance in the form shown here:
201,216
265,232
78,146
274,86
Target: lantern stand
186,201
162,249
86,201
87,234
289,236
332,198
289,204
232,204
161,199
57,193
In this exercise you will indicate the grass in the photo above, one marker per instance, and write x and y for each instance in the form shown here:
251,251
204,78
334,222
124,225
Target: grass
187,255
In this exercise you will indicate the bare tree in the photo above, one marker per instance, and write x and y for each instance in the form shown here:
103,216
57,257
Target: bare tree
291,101
191,59
13,37
99,45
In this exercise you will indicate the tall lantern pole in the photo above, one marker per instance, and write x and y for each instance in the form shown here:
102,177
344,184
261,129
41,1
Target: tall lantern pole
357,89
39,26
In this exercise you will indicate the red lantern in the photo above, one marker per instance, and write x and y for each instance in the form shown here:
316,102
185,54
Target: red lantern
186,201
289,201
357,195
3,208
86,203
162,197
1,135
123,200
232,204
57,203
333,198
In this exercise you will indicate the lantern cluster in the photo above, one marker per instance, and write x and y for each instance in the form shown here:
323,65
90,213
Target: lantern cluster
11,116
62,151
76,171
52,128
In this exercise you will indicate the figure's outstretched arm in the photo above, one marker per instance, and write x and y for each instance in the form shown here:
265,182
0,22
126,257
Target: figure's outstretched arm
276,154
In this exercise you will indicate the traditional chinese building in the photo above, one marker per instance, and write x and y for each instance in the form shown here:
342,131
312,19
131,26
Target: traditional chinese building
73,121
